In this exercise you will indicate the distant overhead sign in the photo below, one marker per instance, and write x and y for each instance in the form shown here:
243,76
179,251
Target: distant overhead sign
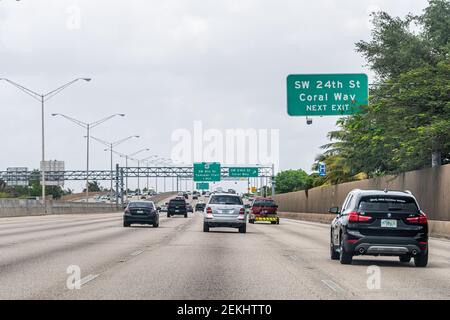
326,94
54,172
202,186
17,177
243,172
207,171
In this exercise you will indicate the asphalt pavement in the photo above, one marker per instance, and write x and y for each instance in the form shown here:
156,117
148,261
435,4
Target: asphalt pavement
179,261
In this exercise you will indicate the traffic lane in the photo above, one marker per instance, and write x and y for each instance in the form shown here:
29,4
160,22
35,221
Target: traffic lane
397,280
221,264
38,269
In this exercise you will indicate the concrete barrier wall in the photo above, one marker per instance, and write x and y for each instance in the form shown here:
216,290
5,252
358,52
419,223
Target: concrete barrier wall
26,207
430,186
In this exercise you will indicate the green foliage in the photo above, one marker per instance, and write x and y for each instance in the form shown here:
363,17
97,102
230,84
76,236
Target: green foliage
93,186
408,117
32,190
291,180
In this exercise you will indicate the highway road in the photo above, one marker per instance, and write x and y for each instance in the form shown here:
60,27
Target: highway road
179,261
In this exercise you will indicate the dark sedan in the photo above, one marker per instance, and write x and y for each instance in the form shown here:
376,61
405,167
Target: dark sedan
141,212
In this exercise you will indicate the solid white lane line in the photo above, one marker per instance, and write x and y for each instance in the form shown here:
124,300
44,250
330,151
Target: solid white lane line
88,278
333,285
312,223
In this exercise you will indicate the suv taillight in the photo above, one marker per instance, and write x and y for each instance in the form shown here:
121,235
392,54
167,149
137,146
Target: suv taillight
208,210
421,219
356,217
242,211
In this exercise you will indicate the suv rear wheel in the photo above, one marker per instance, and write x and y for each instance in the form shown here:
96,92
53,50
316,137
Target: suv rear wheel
421,260
205,227
243,229
344,257
334,255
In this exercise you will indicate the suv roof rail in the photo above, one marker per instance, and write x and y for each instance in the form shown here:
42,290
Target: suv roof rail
408,192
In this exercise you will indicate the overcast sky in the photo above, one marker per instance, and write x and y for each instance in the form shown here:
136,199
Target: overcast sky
168,63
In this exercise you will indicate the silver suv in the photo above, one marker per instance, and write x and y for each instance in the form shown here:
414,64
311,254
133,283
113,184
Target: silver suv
225,210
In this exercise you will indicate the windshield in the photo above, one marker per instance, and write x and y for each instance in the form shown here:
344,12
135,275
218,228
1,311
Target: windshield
226,200
388,204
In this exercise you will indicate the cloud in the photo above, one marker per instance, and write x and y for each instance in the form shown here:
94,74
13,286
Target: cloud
168,63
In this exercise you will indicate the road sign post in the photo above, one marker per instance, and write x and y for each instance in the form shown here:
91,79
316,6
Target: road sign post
322,169
326,94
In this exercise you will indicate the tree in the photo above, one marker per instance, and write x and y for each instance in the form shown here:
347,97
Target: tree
93,187
291,180
408,118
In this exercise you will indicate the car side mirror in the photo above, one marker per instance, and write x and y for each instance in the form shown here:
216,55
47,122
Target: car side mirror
334,210
158,208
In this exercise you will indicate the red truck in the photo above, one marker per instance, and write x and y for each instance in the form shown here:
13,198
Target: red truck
264,209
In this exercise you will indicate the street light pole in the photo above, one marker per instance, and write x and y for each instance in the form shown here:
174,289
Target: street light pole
139,165
87,162
43,152
88,127
111,146
42,98
128,156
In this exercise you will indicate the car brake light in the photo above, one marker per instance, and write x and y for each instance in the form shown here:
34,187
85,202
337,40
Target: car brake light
242,211
421,219
356,217
209,214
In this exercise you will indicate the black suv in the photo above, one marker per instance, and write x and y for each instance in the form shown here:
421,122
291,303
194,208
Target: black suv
379,223
177,206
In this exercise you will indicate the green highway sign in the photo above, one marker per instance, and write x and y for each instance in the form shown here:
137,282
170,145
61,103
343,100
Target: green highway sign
326,94
240,172
202,186
207,171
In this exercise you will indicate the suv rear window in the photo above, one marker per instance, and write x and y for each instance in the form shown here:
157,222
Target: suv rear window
177,203
378,203
265,203
225,200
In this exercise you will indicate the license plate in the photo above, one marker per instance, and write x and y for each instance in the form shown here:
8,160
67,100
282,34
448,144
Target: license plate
385,223
139,211
177,210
